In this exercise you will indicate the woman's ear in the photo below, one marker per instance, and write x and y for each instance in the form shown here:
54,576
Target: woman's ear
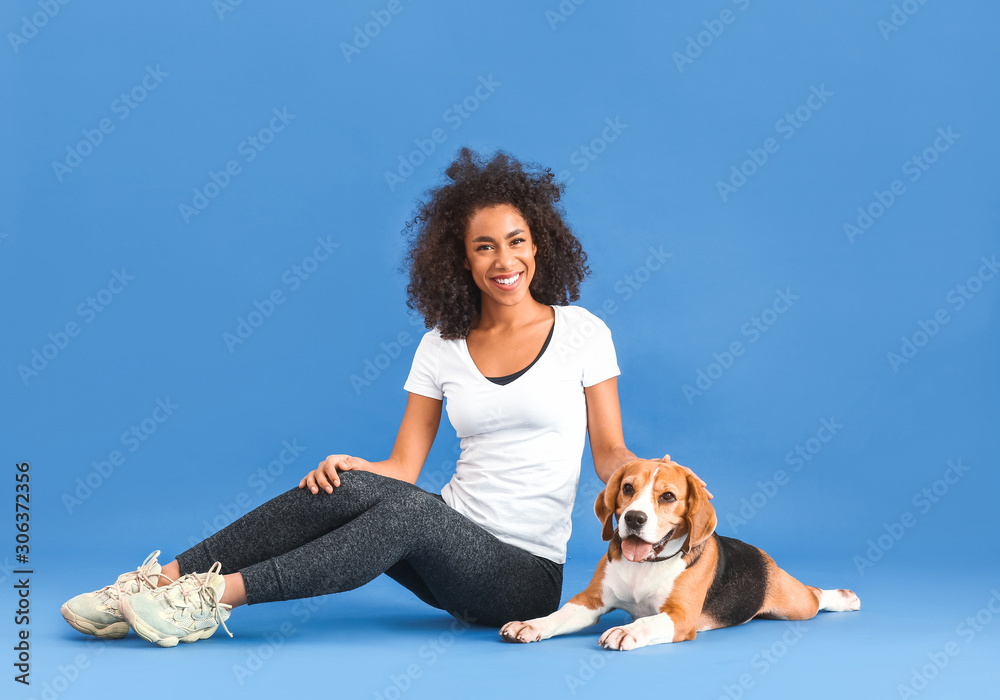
700,515
607,501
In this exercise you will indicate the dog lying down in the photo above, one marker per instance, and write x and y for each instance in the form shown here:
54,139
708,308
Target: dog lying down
667,568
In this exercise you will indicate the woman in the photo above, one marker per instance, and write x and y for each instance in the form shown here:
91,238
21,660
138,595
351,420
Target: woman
493,267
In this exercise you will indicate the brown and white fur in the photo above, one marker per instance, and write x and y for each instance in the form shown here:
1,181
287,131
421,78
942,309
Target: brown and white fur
667,568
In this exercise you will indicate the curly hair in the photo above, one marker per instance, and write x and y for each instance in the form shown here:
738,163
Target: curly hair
440,288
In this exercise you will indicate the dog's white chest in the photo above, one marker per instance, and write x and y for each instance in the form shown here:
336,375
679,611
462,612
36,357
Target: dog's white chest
641,588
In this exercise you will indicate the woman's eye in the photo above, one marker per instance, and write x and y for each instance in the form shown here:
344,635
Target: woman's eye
668,497
627,489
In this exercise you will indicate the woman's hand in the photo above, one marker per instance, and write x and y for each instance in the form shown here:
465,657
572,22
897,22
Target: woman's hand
666,458
325,476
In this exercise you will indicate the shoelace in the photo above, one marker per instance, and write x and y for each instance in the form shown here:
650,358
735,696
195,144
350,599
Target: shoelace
141,575
194,591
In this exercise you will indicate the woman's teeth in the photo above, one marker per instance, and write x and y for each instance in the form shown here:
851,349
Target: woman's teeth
507,280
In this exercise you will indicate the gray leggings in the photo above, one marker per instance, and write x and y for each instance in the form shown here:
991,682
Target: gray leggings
300,544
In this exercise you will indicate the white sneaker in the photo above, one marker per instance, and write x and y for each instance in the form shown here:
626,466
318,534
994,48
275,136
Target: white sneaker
99,612
184,611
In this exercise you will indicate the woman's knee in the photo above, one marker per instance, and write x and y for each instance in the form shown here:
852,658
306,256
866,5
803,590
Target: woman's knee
362,486
357,479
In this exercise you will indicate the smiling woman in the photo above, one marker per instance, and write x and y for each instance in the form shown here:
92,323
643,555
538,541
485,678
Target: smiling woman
526,376
514,217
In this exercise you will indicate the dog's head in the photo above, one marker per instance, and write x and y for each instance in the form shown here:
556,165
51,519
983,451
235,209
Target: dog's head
655,502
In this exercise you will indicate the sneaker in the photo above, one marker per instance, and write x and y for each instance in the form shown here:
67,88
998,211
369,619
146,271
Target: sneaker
184,611
99,612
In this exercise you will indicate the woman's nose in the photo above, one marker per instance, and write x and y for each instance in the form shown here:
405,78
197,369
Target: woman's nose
506,258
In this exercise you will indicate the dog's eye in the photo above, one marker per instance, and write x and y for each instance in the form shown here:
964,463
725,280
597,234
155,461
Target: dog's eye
628,490
668,497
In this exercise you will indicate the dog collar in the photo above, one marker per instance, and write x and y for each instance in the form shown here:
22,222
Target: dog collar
665,558
666,538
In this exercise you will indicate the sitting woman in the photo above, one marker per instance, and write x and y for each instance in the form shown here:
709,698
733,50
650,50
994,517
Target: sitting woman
493,267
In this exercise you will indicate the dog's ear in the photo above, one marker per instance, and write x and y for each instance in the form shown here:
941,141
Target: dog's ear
700,516
606,501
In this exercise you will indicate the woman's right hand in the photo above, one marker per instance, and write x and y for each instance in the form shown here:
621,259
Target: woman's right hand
325,476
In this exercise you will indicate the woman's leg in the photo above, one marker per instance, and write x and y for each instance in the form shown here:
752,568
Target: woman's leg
445,558
491,583
282,524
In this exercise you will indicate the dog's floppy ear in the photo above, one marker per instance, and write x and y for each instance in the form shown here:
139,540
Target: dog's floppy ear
606,501
700,516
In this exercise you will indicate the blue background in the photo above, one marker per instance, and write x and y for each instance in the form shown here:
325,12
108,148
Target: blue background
687,113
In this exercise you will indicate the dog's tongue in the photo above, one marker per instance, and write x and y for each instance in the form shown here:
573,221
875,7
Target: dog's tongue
635,549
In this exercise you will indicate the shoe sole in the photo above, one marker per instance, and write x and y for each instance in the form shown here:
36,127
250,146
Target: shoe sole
112,630
152,635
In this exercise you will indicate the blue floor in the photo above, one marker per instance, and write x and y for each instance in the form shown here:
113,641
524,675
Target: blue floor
172,323
380,642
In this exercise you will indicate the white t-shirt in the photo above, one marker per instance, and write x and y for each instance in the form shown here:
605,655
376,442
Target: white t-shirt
522,442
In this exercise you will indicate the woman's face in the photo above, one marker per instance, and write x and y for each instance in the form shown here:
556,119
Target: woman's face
500,254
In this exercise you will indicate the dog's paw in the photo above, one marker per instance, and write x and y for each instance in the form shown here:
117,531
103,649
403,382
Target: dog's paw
851,600
619,639
839,600
522,632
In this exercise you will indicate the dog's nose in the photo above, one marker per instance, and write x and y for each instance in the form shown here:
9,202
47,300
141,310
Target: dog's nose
635,518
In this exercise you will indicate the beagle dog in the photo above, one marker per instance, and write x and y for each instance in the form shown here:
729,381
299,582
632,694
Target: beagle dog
667,568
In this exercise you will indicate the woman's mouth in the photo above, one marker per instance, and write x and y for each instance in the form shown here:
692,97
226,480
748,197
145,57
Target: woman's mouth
510,281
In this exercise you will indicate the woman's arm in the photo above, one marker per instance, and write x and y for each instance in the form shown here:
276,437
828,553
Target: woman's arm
413,443
604,423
